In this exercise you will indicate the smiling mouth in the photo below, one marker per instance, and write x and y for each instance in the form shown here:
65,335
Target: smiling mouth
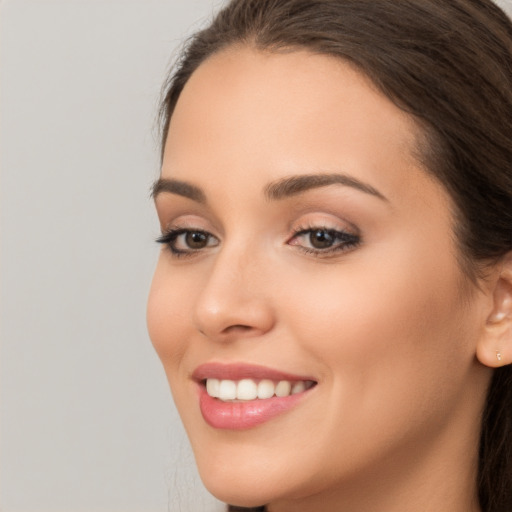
243,390
240,396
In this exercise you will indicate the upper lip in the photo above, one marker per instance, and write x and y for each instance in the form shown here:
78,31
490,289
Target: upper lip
239,371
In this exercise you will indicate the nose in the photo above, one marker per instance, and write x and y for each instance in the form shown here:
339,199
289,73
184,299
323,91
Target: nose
235,301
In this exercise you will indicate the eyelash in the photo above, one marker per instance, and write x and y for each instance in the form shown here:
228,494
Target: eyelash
342,240
169,239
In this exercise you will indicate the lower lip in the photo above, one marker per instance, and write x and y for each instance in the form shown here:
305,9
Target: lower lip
244,415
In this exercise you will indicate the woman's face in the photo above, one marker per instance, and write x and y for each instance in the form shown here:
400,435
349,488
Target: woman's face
306,245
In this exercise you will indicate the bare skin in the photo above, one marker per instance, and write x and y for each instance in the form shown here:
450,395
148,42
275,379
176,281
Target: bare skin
383,319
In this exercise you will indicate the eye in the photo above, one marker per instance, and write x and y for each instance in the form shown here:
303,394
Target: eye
187,241
322,241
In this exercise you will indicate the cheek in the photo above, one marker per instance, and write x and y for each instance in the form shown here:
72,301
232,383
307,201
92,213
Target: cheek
391,348
392,328
167,317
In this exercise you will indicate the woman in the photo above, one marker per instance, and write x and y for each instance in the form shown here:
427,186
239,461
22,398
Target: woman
333,301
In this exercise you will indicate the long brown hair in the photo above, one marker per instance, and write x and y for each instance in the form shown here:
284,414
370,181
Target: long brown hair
448,63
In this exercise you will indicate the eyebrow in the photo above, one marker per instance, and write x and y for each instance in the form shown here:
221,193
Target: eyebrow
293,185
178,187
280,189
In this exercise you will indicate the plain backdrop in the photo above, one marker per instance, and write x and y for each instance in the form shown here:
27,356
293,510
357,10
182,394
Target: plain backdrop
87,421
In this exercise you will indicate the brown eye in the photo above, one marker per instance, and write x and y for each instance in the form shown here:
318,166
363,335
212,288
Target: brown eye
196,239
322,239
322,242
188,241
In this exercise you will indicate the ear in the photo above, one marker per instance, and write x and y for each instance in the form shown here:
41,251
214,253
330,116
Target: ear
494,348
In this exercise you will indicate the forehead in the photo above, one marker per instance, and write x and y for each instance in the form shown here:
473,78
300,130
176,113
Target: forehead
268,114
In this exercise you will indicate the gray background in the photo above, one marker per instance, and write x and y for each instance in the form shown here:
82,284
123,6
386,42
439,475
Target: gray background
87,423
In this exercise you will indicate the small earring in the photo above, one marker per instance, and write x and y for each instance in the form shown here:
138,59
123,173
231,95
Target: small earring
498,356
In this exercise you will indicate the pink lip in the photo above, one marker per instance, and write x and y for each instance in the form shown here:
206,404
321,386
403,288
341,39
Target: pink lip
243,415
238,371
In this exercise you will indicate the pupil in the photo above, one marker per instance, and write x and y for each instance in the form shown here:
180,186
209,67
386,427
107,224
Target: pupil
321,239
196,240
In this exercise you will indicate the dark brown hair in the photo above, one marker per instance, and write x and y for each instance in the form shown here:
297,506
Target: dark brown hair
448,63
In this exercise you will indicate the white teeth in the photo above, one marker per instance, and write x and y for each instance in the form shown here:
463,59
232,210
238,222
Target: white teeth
266,389
248,389
227,390
283,388
212,387
298,387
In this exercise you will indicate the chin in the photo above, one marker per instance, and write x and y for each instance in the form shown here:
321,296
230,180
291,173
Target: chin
242,492
244,482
